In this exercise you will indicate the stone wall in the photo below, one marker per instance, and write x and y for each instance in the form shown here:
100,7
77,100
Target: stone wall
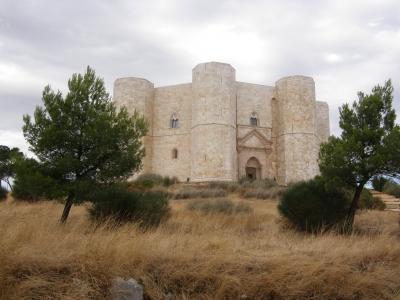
214,139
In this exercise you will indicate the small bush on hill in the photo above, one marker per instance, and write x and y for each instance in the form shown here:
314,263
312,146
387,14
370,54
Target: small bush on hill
307,206
264,194
167,181
187,193
244,179
224,205
264,183
233,187
242,208
150,180
368,201
378,183
224,185
218,185
120,205
3,193
391,188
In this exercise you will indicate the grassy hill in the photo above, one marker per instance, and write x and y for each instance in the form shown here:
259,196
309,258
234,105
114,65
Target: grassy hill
195,255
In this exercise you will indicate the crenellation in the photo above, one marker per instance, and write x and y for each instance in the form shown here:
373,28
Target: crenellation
216,128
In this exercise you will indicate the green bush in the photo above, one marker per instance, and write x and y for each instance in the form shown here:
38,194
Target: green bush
224,206
233,187
187,193
121,206
390,188
378,183
149,180
307,206
167,181
264,183
31,183
368,201
264,194
244,179
242,208
3,193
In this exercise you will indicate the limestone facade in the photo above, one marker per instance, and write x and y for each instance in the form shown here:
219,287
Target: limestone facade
216,128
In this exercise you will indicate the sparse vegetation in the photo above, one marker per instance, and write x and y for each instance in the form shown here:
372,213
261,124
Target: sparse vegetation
189,192
224,205
193,256
262,193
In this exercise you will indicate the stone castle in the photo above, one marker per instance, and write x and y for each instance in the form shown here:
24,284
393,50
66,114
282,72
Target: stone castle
217,128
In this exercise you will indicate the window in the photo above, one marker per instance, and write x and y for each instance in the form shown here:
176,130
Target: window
174,120
175,123
174,154
253,119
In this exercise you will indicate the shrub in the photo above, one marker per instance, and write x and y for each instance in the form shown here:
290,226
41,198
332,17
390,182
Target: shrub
246,184
161,190
149,179
121,206
391,188
187,193
218,185
174,180
368,201
244,179
309,207
264,183
3,193
167,181
378,182
224,206
233,187
242,208
264,194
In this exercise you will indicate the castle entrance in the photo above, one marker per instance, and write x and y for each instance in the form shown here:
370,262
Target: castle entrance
253,168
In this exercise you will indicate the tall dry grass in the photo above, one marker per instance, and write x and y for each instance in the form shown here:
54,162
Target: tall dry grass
195,256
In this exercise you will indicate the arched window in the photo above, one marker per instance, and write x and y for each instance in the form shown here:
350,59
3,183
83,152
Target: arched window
174,153
253,119
174,121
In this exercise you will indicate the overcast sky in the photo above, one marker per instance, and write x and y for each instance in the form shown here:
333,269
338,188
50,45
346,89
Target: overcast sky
346,46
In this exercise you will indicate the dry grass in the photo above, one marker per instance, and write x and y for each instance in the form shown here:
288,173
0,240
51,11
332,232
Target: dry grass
195,256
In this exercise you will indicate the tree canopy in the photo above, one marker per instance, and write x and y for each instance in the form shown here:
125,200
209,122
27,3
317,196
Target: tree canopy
7,159
82,139
369,144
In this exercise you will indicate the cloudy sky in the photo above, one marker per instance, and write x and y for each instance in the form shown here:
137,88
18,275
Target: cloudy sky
346,46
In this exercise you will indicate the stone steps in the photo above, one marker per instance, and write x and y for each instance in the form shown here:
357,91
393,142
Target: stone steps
392,203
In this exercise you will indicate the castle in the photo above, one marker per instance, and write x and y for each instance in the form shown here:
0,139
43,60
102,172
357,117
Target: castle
217,128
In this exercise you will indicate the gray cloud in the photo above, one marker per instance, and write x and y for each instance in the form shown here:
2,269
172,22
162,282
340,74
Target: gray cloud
345,46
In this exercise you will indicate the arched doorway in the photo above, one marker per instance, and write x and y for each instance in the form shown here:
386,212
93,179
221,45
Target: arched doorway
253,168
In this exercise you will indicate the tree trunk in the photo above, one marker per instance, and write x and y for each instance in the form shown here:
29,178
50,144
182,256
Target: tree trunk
67,207
353,208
